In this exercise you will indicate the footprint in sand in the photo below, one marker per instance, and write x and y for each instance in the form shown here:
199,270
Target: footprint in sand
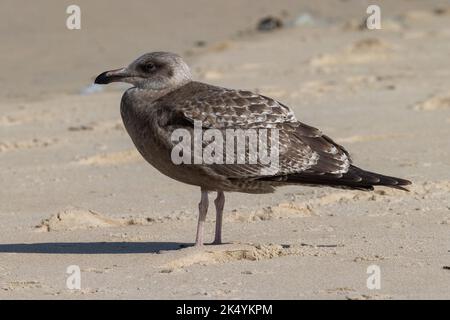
114,158
415,16
212,48
429,189
368,297
370,137
27,144
288,210
73,218
361,52
274,92
25,116
369,258
31,284
317,87
392,25
280,211
105,126
212,75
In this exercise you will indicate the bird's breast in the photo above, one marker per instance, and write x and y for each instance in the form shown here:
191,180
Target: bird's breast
150,136
142,127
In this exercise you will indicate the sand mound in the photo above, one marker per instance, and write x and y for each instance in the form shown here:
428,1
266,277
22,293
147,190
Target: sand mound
74,218
77,218
302,209
437,102
249,252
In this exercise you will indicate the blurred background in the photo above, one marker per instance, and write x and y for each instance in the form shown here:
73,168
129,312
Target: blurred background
39,55
73,189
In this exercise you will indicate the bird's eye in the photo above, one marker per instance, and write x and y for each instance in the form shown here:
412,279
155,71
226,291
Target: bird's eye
149,67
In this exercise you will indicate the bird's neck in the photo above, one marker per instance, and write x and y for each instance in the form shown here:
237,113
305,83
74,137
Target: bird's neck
150,95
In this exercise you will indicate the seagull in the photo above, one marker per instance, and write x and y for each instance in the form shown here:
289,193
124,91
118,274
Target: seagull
164,98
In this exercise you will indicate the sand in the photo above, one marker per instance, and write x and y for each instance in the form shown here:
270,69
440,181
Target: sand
73,190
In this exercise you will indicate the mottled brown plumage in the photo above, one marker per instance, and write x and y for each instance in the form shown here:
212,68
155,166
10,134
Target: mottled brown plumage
165,98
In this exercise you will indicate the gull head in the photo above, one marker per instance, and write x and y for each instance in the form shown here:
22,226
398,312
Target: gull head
152,71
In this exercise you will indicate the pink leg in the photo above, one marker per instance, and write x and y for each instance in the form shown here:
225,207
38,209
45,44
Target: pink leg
219,202
202,211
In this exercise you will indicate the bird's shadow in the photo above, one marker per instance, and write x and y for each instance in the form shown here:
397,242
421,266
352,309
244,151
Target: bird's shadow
91,247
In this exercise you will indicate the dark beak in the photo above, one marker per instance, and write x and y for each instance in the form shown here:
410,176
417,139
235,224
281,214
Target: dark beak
111,76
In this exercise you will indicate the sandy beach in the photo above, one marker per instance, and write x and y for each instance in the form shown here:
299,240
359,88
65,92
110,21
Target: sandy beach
74,191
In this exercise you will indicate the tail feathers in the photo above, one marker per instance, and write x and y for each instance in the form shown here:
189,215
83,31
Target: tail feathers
354,178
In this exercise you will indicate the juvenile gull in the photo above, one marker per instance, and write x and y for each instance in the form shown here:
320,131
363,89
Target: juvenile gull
164,98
